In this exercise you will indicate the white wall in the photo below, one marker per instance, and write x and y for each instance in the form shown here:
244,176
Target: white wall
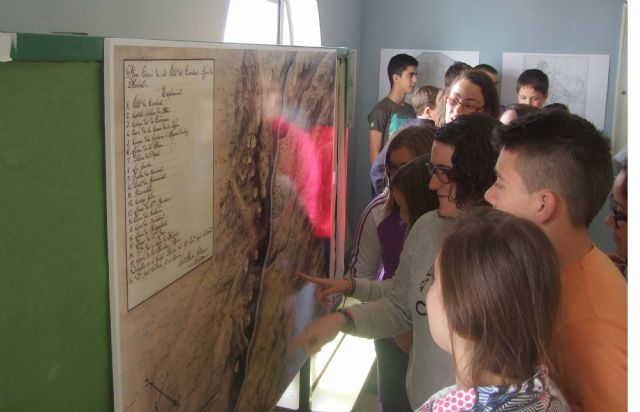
199,20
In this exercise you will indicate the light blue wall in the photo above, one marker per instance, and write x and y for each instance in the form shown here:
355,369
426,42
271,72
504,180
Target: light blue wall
341,23
490,27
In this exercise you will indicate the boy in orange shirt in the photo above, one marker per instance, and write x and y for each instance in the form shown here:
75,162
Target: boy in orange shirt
555,170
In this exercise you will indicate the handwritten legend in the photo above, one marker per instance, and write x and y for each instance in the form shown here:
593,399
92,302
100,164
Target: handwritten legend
168,129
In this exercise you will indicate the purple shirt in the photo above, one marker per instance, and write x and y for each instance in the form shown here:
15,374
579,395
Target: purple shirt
391,232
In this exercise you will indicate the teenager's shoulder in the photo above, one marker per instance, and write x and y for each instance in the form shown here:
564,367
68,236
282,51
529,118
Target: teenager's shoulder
594,289
375,210
428,231
430,221
385,104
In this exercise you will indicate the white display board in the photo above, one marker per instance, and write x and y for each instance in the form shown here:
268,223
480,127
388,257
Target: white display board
432,65
578,80
220,171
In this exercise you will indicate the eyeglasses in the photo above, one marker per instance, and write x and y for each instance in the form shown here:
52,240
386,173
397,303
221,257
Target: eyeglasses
615,213
467,106
442,173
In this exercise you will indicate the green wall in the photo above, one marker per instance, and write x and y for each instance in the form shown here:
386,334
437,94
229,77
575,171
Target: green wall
54,281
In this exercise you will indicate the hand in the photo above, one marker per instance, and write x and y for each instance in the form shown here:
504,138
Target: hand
318,333
327,288
618,261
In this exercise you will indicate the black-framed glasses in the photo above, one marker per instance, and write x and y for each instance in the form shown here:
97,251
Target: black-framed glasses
442,173
617,215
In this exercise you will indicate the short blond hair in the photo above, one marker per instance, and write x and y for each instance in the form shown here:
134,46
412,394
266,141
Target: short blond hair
424,97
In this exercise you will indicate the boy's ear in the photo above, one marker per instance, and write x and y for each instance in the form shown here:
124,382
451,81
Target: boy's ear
429,112
547,204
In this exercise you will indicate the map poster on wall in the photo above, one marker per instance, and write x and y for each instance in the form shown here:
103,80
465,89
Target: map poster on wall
221,160
168,163
578,80
432,65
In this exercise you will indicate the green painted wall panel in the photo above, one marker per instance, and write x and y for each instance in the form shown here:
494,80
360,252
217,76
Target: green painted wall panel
54,294
57,47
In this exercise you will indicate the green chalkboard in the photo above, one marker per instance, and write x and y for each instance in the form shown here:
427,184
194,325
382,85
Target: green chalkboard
54,300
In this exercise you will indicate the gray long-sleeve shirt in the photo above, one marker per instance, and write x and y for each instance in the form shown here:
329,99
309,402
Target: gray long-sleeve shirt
398,304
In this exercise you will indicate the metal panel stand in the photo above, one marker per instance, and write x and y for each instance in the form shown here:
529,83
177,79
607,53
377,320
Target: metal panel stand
304,402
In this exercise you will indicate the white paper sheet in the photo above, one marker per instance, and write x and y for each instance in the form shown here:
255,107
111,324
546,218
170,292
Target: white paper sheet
578,80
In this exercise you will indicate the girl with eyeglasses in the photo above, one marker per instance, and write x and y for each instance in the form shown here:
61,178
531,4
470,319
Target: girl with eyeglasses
462,161
408,193
472,92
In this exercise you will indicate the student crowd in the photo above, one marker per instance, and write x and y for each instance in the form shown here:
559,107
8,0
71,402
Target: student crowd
473,262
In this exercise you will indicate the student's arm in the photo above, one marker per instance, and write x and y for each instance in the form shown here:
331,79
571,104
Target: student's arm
375,144
595,365
327,288
366,260
377,172
368,290
365,264
391,315
387,316
378,120
318,333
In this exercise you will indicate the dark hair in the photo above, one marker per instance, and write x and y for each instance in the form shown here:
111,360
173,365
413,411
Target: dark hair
412,181
487,87
474,156
564,153
399,64
453,72
534,78
522,109
417,139
500,280
424,97
557,106
487,68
